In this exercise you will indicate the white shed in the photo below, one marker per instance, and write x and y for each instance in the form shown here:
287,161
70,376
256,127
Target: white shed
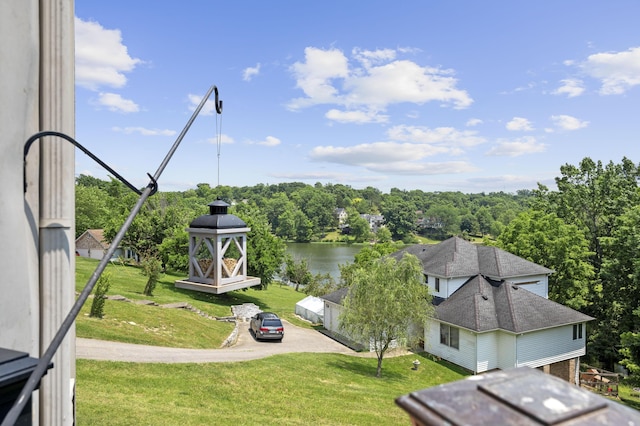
311,308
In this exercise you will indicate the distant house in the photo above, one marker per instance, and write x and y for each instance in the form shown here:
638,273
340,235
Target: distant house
93,244
375,221
341,215
492,311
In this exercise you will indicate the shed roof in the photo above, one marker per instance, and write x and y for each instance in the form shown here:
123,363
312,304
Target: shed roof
456,257
481,304
336,296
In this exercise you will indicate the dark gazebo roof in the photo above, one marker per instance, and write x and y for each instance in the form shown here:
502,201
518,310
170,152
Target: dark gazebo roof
218,218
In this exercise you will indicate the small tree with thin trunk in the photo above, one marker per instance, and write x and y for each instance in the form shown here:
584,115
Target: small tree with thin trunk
297,271
99,295
387,301
151,268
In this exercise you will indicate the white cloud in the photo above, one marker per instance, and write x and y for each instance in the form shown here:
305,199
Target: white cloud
617,71
570,87
403,155
371,57
420,169
357,117
101,58
376,81
144,131
405,81
526,87
369,154
268,141
447,136
517,147
314,76
209,107
323,175
390,157
567,122
250,72
115,102
224,139
473,122
519,124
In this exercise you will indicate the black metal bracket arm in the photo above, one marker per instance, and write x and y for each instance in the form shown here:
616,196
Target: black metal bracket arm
153,184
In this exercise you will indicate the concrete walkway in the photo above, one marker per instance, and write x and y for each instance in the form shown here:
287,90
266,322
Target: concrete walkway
296,339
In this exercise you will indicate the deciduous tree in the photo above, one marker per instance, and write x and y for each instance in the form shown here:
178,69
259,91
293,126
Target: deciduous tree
387,301
265,251
546,240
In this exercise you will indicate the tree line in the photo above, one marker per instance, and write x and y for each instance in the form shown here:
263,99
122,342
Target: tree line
587,231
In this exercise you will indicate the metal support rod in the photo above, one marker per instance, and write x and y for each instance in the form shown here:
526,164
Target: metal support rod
39,135
45,360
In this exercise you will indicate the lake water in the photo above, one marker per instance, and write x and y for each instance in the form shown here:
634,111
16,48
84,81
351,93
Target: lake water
324,258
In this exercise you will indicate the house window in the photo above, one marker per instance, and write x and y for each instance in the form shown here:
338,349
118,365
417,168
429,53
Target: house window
450,336
437,284
577,331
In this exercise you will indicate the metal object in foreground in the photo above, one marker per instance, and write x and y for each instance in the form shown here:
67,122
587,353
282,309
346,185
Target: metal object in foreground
519,396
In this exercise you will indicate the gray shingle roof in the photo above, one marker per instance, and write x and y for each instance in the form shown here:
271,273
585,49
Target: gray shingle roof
456,257
483,305
336,296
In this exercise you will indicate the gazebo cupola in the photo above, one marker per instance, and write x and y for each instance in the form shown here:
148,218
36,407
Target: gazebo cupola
217,252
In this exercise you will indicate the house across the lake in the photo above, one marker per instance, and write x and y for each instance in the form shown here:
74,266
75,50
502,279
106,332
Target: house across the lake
492,311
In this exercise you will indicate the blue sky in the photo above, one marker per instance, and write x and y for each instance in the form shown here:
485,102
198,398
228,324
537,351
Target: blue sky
439,96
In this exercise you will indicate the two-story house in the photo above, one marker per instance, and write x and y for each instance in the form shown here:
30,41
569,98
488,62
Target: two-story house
492,311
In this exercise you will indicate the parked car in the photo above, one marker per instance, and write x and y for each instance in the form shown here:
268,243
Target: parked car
267,325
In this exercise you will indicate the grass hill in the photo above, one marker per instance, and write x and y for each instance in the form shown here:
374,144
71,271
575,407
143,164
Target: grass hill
289,389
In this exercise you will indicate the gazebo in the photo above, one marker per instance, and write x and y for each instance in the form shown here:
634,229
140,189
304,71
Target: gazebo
217,252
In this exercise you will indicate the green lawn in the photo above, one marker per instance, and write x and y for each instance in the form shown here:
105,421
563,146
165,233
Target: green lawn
152,325
291,389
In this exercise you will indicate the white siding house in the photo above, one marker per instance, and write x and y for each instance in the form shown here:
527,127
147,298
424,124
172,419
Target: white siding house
499,324
544,347
492,309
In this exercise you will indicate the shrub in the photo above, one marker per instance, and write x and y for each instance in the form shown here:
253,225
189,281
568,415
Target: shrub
151,268
99,295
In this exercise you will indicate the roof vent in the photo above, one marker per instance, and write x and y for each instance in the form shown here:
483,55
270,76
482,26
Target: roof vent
484,296
515,287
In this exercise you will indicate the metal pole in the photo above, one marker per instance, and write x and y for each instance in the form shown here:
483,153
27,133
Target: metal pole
45,360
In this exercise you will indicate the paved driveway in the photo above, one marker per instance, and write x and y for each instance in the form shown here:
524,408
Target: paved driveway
296,339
